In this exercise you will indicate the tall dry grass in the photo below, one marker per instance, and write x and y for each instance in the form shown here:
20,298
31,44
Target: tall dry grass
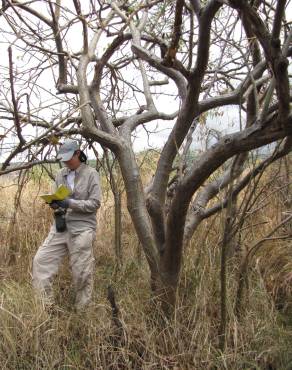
31,338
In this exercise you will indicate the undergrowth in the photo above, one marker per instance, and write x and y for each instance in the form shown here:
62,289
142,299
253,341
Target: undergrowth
33,338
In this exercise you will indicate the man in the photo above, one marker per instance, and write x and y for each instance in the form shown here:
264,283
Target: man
76,236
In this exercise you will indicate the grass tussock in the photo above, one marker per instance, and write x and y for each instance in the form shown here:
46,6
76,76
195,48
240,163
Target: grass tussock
140,337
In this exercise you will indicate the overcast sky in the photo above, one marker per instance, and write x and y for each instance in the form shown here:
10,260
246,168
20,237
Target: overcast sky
226,121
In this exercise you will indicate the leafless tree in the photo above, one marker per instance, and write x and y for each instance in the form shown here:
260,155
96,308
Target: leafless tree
102,69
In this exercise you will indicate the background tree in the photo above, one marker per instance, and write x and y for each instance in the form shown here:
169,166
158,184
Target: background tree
101,70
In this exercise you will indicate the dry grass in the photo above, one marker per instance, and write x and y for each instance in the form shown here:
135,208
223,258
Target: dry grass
32,338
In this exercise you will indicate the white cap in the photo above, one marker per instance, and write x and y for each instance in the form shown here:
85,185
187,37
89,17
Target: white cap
67,150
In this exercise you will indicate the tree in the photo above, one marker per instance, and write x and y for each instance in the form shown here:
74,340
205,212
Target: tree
100,69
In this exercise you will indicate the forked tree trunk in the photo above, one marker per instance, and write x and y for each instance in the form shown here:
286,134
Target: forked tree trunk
169,268
169,285
136,205
164,265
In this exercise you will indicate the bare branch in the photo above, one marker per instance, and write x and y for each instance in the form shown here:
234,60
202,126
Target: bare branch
14,101
84,25
176,34
25,166
58,40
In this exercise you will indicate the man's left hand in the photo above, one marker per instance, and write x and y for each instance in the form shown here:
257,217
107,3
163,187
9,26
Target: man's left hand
60,204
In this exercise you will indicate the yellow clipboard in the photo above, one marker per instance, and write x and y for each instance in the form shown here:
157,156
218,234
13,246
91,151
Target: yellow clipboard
60,194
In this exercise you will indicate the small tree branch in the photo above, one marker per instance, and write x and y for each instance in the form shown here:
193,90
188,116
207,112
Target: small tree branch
14,101
176,34
84,25
26,166
58,40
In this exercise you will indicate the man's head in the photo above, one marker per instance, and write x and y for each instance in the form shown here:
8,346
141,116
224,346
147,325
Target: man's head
69,153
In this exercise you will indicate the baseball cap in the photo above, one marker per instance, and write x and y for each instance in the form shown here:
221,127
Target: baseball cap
67,150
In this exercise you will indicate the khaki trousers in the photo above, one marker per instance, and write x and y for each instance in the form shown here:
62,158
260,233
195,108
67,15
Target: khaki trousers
49,257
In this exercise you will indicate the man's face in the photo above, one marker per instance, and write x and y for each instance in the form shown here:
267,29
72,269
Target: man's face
74,162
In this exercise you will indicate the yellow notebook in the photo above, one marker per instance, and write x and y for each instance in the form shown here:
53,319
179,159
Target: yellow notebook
60,194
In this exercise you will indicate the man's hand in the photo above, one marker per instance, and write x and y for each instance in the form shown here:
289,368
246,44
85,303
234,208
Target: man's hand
59,204
53,205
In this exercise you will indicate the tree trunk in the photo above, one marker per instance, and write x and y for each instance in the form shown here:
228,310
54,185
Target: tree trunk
118,228
136,204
